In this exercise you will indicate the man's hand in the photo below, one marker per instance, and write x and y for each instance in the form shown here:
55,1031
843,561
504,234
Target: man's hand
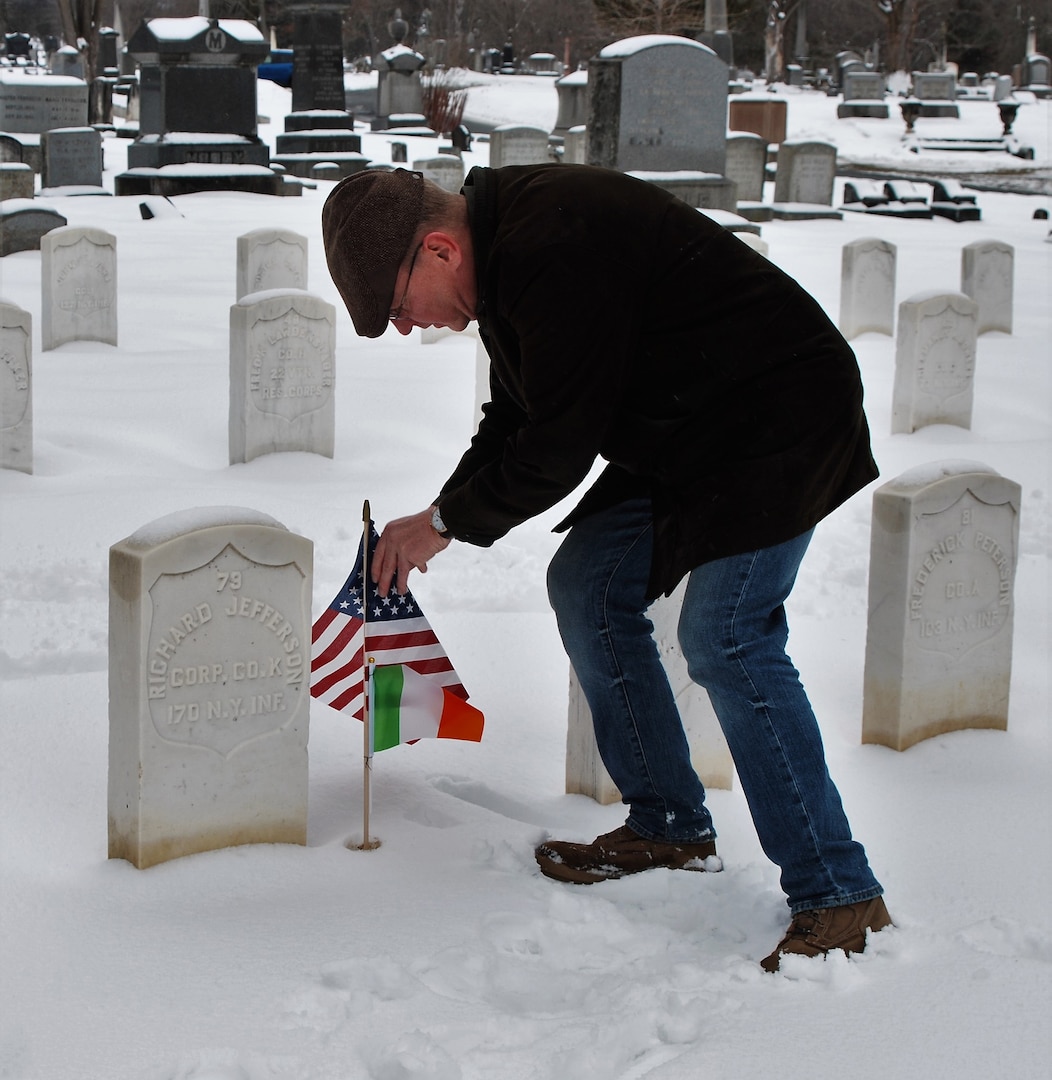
407,543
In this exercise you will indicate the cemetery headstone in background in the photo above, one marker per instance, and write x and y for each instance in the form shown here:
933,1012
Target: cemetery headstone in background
37,103
934,361
986,276
806,172
585,772
16,388
198,103
78,278
936,91
282,371
867,287
271,259
23,223
944,548
747,165
317,57
657,103
71,157
512,144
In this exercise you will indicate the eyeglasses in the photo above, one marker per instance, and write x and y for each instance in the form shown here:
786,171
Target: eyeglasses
399,312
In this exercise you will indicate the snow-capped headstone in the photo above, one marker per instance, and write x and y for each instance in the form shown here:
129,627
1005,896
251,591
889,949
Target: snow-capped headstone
867,287
197,80
36,103
575,146
23,222
16,388
572,90
585,772
446,170
71,157
209,660
317,58
747,165
986,276
806,171
17,181
934,361
944,546
515,144
78,281
282,370
864,93
657,103
271,259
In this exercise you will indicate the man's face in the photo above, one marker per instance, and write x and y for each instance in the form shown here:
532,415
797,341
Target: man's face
434,287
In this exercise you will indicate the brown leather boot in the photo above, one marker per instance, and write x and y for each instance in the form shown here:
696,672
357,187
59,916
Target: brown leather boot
621,852
815,933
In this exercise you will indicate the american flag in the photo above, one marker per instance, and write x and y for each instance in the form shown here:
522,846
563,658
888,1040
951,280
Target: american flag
394,629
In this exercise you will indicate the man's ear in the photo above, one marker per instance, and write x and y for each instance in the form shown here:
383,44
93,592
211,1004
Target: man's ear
445,247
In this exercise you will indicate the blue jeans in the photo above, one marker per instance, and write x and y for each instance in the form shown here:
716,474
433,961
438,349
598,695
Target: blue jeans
733,633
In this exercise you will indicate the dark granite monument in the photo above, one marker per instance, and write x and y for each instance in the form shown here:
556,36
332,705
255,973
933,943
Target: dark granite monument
198,76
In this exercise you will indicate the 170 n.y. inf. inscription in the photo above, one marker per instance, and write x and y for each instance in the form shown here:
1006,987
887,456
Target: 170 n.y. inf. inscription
228,667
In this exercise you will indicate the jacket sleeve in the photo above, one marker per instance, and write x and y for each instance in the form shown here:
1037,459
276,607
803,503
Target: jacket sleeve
567,360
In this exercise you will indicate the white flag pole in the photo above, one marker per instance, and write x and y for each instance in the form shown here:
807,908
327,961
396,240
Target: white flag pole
368,664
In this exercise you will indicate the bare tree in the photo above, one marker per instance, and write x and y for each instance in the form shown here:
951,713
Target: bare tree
627,18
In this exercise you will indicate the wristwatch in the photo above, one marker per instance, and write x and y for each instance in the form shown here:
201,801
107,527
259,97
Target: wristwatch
438,524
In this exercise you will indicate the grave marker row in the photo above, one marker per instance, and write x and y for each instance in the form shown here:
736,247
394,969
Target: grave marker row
867,285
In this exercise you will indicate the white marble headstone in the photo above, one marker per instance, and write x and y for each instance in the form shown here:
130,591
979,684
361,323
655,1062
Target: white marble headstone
747,164
16,388
271,259
867,287
512,144
585,772
209,648
934,361
78,280
986,276
282,372
944,547
446,170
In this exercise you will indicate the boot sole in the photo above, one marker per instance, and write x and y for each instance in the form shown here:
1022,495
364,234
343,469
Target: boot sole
554,868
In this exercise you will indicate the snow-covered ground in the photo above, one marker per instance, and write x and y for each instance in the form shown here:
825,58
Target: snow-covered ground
444,955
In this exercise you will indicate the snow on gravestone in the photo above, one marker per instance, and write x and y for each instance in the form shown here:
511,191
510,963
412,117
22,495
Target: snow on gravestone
209,697
271,259
944,548
934,362
986,276
585,772
282,370
657,103
78,278
16,388
867,287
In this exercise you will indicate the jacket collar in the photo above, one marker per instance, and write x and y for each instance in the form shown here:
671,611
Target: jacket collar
480,190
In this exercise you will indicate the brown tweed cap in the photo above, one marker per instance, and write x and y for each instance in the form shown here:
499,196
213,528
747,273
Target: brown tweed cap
367,225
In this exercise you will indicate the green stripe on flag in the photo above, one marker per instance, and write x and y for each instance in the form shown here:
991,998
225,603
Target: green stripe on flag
386,704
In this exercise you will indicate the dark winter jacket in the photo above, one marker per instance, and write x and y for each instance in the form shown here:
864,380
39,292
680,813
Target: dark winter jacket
622,323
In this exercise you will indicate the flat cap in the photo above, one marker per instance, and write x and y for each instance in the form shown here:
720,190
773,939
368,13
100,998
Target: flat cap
367,224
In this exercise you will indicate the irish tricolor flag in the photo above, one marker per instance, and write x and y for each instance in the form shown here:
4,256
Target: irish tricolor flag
406,705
